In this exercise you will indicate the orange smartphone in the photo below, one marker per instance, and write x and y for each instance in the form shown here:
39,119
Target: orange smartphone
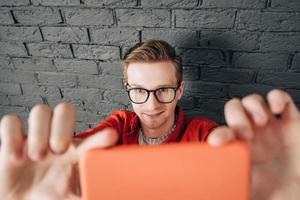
174,171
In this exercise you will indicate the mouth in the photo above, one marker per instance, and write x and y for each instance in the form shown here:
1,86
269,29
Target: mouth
153,115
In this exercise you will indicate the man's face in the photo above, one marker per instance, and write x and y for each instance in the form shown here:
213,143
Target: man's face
151,76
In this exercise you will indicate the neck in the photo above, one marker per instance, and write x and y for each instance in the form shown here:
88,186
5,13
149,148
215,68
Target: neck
158,131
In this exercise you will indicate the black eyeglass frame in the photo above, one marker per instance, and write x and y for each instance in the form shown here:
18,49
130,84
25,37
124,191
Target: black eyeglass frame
153,91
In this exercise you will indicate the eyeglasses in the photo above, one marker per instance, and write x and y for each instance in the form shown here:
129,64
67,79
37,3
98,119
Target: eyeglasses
162,95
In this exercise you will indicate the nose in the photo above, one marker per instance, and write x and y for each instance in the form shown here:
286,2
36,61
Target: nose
152,102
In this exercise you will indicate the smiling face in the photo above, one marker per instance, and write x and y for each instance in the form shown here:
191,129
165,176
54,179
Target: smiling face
155,117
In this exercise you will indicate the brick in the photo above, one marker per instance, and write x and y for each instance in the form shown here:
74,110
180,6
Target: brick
3,100
42,91
82,94
286,4
19,110
170,3
143,17
217,117
102,107
280,42
123,3
187,103
104,82
243,90
114,36
211,105
53,102
12,48
14,2
264,61
25,100
204,18
33,64
191,73
50,50
229,40
282,79
76,66
111,68
8,76
226,75
91,16
296,62
56,2
268,21
178,38
37,15
234,3
117,96
96,52
10,88
88,117
200,89
57,79
5,63
202,56
5,17
65,34
20,33
81,126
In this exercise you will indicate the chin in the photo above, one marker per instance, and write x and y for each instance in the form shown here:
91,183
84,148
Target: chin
153,124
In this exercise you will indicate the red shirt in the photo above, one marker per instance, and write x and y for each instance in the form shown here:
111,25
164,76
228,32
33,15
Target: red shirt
127,125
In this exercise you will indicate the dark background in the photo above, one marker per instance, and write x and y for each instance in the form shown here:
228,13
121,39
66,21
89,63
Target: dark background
69,50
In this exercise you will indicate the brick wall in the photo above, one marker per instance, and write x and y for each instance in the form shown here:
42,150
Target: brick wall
69,50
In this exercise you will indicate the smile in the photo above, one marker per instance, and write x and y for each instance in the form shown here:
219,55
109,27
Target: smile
153,115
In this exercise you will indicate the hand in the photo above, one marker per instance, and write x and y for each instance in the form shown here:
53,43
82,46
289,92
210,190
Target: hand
43,164
272,131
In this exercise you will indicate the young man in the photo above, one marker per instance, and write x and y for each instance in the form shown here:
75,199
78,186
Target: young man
40,165
153,78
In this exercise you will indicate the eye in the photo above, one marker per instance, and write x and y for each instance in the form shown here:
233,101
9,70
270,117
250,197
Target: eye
164,90
139,90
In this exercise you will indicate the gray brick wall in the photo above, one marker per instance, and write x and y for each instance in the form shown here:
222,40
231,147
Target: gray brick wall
70,50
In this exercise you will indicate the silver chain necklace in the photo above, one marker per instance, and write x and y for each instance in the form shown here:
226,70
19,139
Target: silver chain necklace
143,139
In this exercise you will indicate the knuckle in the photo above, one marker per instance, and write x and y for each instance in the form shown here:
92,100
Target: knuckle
253,98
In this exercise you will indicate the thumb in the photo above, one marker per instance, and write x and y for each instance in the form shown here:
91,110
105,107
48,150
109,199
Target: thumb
105,138
220,136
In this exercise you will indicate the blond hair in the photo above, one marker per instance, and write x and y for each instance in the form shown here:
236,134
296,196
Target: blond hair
153,51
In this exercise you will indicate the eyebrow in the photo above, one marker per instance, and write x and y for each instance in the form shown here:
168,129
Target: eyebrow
139,86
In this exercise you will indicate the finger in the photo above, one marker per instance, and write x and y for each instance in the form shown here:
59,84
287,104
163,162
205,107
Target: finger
39,122
237,119
103,139
12,138
62,128
257,109
281,103
220,136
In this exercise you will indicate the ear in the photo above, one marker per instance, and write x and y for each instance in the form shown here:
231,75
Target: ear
180,90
